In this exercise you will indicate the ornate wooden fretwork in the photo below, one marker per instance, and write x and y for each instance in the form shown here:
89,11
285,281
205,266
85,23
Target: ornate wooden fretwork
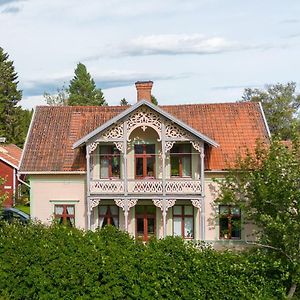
144,117
115,132
126,204
94,201
196,203
92,147
145,186
120,146
168,203
183,186
109,187
168,146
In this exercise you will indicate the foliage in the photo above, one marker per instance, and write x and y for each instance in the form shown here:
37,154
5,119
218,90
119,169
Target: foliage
14,121
82,89
124,102
59,99
56,262
154,100
2,196
281,106
267,188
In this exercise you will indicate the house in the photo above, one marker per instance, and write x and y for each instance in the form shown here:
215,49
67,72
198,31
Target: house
10,156
146,169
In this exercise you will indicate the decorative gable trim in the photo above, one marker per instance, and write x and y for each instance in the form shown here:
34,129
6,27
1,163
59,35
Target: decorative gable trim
119,127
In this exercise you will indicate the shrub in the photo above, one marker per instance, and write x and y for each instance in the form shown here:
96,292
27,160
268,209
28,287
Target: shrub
56,262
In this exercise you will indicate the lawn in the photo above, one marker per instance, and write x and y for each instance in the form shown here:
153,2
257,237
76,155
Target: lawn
24,208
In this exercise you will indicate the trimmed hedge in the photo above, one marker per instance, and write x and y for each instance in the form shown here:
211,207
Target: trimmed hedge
38,262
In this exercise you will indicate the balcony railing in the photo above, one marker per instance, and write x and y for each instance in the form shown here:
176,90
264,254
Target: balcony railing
151,186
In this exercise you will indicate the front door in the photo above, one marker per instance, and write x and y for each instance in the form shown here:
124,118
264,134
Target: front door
145,216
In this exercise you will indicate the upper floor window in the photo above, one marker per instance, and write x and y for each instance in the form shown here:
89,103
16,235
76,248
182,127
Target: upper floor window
65,214
181,160
109,162
230,222
108,215
183,221
144,161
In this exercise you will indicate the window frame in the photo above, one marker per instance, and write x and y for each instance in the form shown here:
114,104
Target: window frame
108,215
181,155
144,156
182,216
65,215
230,216
145,215
109,156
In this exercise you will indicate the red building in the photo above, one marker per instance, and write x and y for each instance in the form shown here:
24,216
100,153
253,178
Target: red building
10,156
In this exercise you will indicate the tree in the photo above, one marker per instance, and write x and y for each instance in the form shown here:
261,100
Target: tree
59,99
82,89
267,188
280,104
9,98
124,102
2,197
154,100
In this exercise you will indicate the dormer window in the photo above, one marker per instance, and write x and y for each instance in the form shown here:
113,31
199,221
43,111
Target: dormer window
181,161
109,162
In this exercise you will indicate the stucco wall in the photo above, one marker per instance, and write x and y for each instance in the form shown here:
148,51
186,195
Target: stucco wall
48,190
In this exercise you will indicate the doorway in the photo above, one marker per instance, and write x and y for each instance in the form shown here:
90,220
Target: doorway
145,216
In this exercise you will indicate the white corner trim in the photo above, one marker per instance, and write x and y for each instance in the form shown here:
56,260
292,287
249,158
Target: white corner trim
265,120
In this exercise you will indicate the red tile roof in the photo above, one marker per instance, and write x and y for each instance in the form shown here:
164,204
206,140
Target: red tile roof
10,153
234,126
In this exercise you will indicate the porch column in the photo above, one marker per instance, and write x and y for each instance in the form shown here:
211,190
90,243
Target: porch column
203,223
88,178
164,205
125,158
94,202
198,204
163,152
126,204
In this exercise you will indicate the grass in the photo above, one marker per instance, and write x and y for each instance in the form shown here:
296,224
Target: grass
24,208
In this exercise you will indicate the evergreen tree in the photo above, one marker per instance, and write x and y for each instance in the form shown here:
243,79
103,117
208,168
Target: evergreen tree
124,102
83,90
9,98
154,100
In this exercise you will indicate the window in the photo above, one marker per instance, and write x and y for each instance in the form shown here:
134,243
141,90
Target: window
180,156
109,162
65,214
183,221
144,161
108,215
230,222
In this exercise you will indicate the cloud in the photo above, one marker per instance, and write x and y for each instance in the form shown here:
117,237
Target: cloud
290,21
4,2
112,79
176,44
11,10
236,87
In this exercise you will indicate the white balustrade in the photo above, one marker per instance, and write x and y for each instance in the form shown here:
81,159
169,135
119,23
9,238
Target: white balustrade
151,186
107,186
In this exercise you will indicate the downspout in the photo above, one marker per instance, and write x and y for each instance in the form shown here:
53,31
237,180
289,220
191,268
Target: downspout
23,182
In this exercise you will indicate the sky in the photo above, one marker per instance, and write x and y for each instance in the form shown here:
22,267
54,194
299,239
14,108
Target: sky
195,51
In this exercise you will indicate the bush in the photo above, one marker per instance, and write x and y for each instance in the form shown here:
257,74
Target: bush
38,262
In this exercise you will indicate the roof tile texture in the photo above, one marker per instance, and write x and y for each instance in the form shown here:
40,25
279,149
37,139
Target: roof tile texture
10,153
234,126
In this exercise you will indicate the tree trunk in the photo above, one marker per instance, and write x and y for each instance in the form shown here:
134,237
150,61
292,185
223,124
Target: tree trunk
292,291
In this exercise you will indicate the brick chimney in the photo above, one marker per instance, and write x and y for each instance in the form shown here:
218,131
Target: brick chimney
143,89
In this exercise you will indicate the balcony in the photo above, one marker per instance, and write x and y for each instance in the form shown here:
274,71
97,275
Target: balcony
150,187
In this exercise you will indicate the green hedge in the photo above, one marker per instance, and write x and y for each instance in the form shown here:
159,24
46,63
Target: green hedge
38,262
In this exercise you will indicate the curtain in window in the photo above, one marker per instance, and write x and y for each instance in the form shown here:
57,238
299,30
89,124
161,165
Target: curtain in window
70,211
115,215
188,227
103,212
177,226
